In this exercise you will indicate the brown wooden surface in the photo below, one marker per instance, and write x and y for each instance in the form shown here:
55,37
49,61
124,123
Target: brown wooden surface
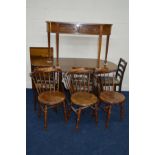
40,52
79,28
83,99
67,63
51,98
112,97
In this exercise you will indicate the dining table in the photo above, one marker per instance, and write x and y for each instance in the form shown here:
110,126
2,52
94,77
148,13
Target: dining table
67,64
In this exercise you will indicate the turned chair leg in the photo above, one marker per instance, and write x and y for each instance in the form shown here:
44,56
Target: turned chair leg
108,116
122,111
35,99
69,112
78,118
114,87
39,109
45,116
105,109
65,112
96,113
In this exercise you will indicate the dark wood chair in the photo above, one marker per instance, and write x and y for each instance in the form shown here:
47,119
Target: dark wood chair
42,52
107,95
47,84
78,83
118,79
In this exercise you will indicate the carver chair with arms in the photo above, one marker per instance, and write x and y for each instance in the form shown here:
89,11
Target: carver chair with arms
78,83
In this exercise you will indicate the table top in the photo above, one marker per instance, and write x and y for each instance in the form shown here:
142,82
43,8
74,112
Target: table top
67,63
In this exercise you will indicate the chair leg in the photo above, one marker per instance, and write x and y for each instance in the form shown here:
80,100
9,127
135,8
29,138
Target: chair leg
78,118
45,116
122,111
120,87
65,112
39,109
108,116
105,110
35,99
69,112
96,113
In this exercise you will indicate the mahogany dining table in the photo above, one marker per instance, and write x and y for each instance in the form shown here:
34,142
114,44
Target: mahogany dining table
68,63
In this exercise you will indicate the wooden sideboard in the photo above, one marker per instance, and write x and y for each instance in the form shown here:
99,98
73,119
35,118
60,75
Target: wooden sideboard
79,28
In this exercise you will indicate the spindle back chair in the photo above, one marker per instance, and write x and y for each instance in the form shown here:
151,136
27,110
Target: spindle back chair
78,80
47,83
78,83
46,79
39,52
107,95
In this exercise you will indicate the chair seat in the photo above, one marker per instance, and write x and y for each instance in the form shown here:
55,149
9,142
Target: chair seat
83,98
112,97
51,98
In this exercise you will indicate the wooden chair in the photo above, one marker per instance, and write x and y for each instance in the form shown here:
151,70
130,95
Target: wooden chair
78,83
118,79
42,52
107,95
47,84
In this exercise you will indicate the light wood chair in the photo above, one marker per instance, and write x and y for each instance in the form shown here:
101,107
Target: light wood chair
42,52
107,95
47,83
78,83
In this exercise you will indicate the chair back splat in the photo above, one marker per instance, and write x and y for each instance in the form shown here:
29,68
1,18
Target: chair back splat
46,79
104,81
78,80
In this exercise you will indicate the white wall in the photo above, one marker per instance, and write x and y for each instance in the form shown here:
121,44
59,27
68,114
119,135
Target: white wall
92,11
